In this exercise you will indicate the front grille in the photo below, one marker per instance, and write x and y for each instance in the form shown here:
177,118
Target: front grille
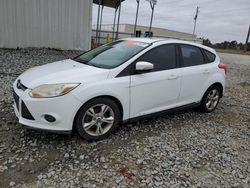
23,108
16,99
25,112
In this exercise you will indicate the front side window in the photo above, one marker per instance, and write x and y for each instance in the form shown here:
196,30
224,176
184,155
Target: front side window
191,56
112,55
163,57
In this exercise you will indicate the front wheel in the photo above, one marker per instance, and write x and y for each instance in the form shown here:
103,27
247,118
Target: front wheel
210,99
97,119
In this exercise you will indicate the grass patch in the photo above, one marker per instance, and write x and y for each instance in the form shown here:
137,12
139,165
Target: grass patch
231,51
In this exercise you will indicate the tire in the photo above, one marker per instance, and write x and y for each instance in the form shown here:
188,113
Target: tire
97,119
213,95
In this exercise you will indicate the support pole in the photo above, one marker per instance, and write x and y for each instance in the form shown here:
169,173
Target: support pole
100,28
195,20
152,5
113,33
118,22
136,17
97,25
247,39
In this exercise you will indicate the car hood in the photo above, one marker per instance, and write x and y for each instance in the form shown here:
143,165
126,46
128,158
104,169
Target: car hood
66,71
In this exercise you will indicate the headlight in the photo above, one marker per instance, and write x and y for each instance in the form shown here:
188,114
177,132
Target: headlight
52,90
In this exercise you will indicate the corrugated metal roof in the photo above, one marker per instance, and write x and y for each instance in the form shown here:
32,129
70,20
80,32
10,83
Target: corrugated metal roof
108,3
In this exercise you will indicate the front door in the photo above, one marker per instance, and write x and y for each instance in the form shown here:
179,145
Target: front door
158,89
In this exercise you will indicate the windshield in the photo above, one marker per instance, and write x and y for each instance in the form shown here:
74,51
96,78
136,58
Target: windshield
113,54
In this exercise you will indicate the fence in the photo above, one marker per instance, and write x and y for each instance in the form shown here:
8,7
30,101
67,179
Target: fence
108,36
102,38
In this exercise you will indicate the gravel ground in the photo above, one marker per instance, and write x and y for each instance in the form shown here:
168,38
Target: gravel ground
185,149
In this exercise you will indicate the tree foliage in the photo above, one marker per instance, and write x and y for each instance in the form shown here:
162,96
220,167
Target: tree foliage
226,44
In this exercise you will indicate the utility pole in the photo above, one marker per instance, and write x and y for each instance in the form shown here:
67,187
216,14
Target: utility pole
113,34
195,19
97,25
100,26
247,39
118,21
136,17
152,5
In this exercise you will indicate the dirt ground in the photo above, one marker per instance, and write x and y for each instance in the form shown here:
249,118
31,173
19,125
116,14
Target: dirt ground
235,58
229,51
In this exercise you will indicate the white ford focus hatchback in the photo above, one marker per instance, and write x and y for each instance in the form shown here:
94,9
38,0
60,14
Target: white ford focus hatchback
122,81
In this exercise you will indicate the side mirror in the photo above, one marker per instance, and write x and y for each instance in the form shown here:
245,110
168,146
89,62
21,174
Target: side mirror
143,66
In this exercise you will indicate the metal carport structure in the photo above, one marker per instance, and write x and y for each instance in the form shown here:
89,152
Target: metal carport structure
116,4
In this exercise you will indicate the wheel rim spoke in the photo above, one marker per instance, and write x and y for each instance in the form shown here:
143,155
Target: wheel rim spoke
108,119
208,104
216,98
104,109
214,104
211,105
91,112
87,126
213,93
99,130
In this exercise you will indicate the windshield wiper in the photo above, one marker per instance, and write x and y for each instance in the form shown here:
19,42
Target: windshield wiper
94,65
80,61
87,63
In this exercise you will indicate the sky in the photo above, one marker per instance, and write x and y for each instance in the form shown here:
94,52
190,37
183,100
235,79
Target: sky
218,20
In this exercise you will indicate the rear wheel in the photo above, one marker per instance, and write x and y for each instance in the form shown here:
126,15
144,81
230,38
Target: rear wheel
210,99
97,119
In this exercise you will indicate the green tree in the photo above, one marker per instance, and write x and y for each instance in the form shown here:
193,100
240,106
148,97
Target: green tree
207,42
248,46
240,46
232,44
225,44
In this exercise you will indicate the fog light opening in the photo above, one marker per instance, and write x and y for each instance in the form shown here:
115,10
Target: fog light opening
49,118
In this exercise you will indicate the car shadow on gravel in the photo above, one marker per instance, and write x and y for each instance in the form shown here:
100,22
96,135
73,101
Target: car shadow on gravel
50,138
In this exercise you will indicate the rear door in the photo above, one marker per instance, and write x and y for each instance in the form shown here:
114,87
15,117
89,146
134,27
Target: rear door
159,89
195,73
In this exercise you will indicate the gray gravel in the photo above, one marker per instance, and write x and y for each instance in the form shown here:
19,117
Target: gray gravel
185,149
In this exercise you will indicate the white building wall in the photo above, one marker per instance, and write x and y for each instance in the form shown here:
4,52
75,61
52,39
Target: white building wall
62,24
158,32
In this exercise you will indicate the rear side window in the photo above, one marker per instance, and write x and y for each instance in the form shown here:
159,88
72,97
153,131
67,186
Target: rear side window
191,56
163,57
210,56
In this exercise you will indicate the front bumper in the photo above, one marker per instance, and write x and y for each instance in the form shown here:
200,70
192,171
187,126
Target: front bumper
31,111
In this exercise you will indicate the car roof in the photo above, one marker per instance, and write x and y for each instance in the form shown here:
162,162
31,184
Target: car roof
146,40
169,40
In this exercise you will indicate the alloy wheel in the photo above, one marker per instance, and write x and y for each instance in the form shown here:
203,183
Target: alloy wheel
212,99
98,120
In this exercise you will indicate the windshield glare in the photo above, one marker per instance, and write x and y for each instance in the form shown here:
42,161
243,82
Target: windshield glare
113,54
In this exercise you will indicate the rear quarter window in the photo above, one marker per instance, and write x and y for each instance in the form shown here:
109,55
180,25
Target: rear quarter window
210,56
191,55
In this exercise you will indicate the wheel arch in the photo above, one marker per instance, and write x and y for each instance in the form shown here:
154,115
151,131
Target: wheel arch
218,84
117,101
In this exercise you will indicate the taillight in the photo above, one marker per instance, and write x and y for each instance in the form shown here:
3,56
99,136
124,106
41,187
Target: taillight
223,66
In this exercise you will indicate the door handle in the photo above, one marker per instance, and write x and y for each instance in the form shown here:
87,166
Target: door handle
206,71
173,77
